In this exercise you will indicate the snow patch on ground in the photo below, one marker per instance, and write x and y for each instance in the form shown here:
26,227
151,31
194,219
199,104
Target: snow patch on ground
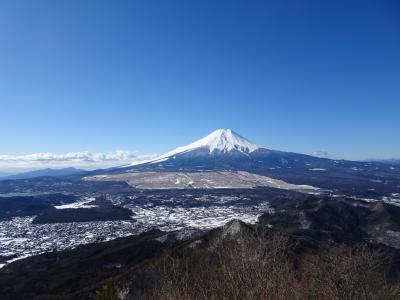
80,204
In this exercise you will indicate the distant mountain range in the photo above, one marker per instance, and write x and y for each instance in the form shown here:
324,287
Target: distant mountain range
43,173
393,161
4,174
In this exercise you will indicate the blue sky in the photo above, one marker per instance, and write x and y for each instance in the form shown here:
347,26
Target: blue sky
148,76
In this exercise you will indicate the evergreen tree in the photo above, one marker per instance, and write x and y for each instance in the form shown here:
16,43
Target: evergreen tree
108,292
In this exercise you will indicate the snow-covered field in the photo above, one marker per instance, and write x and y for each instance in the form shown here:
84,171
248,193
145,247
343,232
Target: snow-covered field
205,180
80,204
172,218
20,238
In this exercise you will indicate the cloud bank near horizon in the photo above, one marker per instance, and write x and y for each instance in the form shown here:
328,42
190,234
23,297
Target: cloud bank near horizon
321,153
84,160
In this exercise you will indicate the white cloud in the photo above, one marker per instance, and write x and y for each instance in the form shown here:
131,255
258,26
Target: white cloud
321,153
86,160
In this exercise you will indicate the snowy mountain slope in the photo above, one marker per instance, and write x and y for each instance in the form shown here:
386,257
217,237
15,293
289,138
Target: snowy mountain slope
220,141
224,149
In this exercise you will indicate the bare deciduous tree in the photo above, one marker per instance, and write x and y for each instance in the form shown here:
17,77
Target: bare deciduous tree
259,266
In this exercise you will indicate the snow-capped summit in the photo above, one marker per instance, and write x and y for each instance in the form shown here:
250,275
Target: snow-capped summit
220,140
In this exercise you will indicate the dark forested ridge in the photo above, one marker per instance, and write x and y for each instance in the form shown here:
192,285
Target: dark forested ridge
315,247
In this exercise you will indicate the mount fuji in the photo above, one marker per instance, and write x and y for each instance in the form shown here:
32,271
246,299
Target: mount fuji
221,142
224,150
